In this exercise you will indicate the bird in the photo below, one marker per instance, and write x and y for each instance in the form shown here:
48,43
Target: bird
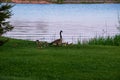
65,44
58,41
39,44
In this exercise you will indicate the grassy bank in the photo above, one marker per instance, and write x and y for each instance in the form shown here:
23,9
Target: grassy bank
22,60
111,41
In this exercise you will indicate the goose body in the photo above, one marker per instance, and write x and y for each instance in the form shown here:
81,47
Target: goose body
58,41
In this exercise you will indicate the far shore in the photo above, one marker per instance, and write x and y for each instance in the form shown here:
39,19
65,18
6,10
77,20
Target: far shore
46,2
32,2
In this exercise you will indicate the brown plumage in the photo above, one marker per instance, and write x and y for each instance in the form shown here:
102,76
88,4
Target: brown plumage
58,41
39,44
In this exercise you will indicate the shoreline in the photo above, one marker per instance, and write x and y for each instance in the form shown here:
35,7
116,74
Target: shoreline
50,2
57,3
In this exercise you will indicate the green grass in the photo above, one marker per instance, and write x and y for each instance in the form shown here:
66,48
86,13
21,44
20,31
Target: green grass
112,41
22,60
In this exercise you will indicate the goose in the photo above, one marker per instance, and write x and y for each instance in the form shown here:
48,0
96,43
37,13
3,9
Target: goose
58,41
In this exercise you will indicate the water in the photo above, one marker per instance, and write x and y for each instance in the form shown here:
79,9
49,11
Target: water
78,21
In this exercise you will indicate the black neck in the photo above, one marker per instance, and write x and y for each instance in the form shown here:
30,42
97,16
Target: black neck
61,35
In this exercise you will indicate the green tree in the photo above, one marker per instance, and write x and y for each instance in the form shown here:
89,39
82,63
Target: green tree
5,0
5,14
60,1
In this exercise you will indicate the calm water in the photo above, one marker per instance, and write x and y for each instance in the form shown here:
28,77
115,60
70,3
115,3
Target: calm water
78,21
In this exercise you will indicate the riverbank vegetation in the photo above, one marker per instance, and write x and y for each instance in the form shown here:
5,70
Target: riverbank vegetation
112,41
22,60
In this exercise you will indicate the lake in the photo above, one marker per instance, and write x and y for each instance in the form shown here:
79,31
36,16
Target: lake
77,21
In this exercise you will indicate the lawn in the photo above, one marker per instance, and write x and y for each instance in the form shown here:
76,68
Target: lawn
22,60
